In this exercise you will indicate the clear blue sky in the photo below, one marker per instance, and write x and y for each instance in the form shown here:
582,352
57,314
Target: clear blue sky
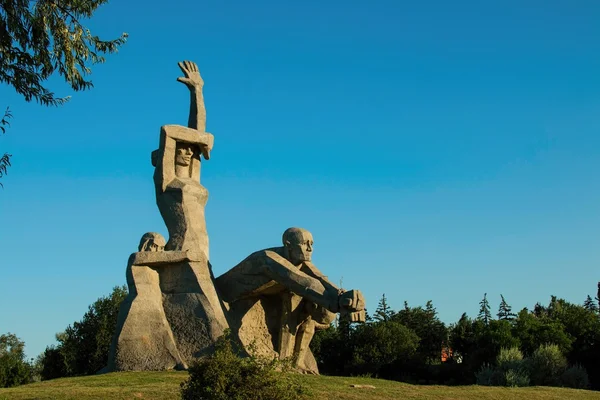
437,150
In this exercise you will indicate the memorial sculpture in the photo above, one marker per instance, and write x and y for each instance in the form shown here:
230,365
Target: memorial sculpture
273,300
277,298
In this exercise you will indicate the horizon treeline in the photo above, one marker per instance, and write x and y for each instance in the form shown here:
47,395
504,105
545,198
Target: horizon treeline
556,344
502,348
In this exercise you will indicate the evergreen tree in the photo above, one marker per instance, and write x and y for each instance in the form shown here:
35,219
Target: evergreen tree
383,311
590,305
505,311
485,314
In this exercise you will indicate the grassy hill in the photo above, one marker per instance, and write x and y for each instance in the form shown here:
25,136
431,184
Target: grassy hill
165,385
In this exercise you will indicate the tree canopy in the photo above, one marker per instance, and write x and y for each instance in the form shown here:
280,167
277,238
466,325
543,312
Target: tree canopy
42,37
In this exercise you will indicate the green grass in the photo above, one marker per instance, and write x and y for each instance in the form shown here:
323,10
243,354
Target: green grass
165,385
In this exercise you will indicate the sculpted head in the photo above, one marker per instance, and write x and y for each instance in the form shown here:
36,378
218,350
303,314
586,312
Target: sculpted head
299,245
183,154
152,241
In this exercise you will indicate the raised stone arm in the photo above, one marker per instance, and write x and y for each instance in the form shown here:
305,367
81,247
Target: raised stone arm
195,83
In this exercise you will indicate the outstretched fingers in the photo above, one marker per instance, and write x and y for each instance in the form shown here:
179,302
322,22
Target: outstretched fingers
184,68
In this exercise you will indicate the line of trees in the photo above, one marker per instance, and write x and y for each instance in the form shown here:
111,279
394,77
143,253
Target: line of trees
408,345
557,344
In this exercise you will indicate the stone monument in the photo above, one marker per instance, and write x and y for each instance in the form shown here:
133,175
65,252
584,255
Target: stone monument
277,299
274,300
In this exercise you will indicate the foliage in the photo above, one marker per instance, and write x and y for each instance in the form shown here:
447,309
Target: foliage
332,352
546,365
533,330
14,369
509,358
516,378
41,37
226,376
575,377
590,304
513,367
383,311
485,314
510,370
488,375
425,323
505,311
83,347
5,159
52,363
379,346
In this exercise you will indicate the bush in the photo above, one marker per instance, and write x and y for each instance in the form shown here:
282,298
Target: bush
513,367
226,376
510,358
489,376
575,377
14,370
546,365
516,378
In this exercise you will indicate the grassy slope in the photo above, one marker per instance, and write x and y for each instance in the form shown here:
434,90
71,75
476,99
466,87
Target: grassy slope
165,385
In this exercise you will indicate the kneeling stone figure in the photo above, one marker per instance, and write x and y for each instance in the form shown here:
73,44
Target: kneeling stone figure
277,298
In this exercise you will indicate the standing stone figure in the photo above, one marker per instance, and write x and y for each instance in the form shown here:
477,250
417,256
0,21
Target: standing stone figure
277,299
191,303
179,195
173,313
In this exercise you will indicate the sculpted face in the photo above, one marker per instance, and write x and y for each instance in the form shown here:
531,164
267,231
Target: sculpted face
299,244
183,154
152,241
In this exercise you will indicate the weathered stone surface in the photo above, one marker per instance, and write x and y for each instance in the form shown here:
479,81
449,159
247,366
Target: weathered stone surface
143,339
277,298
173,314
191,303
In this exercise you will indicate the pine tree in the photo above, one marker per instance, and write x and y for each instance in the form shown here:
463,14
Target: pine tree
485,314
590,305
505,311
383,311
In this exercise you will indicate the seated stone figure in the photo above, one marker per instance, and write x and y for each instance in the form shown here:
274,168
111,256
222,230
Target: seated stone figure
277,298
143,339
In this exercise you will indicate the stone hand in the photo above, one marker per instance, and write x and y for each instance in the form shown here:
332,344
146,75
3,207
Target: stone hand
352,306
351,300
192,78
